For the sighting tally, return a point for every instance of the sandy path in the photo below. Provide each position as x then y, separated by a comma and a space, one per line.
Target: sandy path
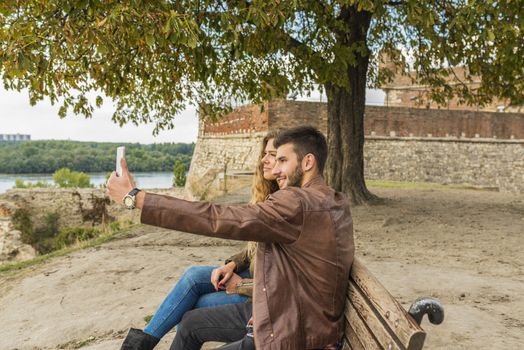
464, 247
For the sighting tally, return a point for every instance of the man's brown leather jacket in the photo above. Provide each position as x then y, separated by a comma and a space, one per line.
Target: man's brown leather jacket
302, 263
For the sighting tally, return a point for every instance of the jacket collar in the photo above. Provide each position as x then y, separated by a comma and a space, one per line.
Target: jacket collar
317, 180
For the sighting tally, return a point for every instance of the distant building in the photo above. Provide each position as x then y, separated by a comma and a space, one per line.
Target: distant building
405, 91
14, 137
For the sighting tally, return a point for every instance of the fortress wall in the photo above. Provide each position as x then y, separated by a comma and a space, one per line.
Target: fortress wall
402, 144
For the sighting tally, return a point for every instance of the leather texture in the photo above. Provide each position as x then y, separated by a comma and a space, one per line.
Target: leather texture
303, 257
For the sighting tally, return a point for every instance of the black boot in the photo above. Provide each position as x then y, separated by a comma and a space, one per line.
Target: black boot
138, 340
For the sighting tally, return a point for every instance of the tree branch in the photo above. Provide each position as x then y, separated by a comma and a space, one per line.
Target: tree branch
395, 3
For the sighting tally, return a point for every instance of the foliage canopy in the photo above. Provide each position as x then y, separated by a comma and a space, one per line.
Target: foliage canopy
153, 58
48, 156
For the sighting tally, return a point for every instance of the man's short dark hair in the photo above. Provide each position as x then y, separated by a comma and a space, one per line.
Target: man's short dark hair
305, 139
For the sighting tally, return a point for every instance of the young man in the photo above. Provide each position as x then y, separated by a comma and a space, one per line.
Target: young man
303, 258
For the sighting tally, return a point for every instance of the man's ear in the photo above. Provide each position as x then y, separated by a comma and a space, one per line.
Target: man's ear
309, 162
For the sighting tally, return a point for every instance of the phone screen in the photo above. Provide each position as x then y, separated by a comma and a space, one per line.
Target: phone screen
120, 153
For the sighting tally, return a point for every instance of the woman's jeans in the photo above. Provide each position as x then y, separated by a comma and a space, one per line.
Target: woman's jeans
192, 291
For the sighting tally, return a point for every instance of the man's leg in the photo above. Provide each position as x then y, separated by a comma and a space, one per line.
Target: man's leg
247, 343
224, 324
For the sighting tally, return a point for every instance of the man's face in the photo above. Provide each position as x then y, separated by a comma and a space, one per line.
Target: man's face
288, 169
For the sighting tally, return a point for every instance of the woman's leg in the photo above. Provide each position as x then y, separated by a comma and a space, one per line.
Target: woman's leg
221, 297
195, 282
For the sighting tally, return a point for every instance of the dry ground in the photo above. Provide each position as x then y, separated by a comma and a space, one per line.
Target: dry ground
463, 247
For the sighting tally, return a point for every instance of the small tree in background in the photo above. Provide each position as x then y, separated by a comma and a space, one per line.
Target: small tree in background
65, 178
180, 173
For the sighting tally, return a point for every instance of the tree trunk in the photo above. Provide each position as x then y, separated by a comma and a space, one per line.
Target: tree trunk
345, 164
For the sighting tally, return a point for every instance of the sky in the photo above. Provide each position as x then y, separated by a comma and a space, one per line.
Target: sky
41, 121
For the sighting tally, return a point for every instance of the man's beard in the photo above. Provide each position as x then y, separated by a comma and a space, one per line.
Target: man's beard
295, 180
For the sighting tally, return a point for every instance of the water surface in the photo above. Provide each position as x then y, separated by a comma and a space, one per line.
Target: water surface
143, 180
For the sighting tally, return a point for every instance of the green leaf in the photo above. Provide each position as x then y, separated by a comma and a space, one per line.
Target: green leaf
150, 39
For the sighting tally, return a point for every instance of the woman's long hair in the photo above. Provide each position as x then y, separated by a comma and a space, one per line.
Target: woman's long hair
261, 187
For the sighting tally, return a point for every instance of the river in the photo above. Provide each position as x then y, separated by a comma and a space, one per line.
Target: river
143, 180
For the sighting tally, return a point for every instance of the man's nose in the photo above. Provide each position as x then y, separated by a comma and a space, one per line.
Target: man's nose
275, 171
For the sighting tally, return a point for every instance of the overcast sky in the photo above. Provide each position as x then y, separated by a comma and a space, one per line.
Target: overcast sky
41, 121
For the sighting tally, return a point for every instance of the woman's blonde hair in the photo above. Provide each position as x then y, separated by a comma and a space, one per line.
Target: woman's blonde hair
261, 187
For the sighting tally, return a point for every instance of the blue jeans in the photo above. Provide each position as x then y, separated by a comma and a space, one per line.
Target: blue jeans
192, 291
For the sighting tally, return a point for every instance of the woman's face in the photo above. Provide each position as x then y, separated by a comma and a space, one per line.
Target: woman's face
269, 160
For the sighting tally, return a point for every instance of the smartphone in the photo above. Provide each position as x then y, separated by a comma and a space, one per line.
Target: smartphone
120, 153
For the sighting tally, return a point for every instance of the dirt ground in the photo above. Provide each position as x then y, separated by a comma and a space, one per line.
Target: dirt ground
464, 247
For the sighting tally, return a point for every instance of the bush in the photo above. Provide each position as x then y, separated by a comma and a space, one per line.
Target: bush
66, 178
41, 238
180, 173
22, 222
19, 183
72, 235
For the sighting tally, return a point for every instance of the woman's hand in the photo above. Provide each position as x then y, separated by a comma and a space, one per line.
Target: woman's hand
221, 275
232, 284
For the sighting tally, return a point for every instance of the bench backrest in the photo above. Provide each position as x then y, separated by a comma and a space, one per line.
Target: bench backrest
374, 319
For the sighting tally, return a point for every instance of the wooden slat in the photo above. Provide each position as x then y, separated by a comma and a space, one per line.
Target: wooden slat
409, 333
381, 332
345, 345
360, 329
352, 339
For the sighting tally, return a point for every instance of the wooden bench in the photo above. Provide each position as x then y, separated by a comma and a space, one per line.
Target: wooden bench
375, 320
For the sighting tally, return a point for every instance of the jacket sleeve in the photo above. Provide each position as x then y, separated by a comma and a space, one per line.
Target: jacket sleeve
244, 288
278, 219
241, 260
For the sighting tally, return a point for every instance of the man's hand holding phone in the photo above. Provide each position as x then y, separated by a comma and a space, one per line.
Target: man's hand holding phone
120, 154
120, 185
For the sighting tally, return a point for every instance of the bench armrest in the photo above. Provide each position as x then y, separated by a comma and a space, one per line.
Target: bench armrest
430, 306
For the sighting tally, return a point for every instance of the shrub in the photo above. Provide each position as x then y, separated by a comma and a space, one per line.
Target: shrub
22, 222
180, 173
51, 224
19, 183
72, 235
66, 178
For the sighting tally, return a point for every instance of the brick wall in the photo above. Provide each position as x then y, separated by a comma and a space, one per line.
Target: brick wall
286, 114
245, 119
402, 144
400, 121
378, 121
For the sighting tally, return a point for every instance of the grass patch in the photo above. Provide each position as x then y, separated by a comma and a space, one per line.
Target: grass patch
148, 318
425, 185
82, 343
108, 235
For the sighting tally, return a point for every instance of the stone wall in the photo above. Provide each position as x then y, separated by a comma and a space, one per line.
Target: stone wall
403, 144
494, 164
75, 207
217, 158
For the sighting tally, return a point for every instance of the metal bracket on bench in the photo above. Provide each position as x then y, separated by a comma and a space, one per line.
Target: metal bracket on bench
432, 307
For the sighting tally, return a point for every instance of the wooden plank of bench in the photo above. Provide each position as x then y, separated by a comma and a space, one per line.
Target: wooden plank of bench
358, 329
350, 339
381, 332
409, 333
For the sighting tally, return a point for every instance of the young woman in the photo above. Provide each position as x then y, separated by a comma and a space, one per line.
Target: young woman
210, 286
